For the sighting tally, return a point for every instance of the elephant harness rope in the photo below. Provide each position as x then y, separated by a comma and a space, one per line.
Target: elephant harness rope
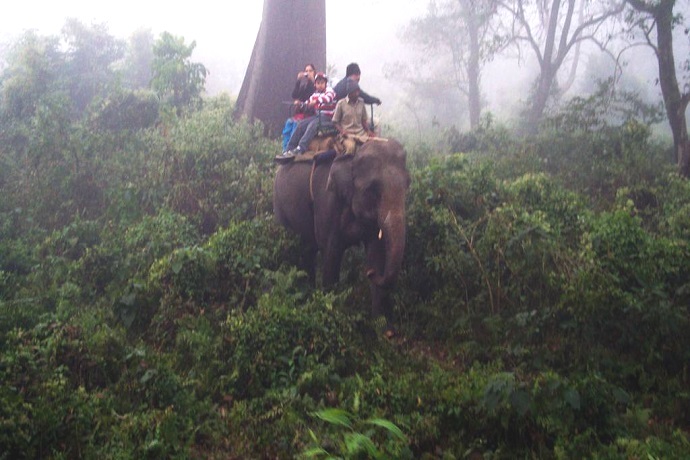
311, 181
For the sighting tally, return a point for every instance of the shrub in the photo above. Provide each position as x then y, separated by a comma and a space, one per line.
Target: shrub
135, 250
214, 164
624, 299
243, 252
285, 342
447, 201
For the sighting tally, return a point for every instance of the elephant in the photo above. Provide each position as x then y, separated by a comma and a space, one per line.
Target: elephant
337, 203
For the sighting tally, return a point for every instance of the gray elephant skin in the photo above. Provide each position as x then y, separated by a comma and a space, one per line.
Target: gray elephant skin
351, 199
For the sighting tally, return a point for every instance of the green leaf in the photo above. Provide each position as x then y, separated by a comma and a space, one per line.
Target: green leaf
520, 400
572, 397
315, 452
148, 375
357, 442
312, 435
621, 396
389, 426
128, 299
335, 416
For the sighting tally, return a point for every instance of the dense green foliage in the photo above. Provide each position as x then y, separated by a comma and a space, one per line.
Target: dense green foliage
150, 308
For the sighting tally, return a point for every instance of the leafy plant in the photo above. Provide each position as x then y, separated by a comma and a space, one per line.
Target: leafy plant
177, 80
355, 438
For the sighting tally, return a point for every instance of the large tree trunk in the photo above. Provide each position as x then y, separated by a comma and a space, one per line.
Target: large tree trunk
292, 34
540, 98
473, 71
674, 102
548, 66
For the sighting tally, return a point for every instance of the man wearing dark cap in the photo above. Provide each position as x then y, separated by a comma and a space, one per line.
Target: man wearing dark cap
353, 73
350, 117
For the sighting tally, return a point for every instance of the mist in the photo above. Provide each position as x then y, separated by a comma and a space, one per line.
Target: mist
381, 45
153, 306
224, 39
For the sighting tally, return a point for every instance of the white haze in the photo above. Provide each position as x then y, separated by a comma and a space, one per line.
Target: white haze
225, 32
363, 31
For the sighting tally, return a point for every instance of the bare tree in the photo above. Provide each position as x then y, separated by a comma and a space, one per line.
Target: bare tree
553, 30
461, 30
655, 17
292, 34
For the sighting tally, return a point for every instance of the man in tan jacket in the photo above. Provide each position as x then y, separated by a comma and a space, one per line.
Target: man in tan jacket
350, 118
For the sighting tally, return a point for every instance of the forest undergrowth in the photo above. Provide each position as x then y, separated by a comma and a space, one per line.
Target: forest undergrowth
150, 306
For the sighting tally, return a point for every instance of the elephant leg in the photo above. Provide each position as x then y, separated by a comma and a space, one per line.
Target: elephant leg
381, 303
382, 307
308, 261
332, 260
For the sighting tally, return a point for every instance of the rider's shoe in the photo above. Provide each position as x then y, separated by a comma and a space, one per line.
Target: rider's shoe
285, 157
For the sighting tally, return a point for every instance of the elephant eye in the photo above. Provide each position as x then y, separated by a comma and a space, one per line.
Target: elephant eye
371, 193
373, 188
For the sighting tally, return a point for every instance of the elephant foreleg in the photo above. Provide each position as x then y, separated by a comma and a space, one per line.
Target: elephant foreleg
332, 260
308, 261
381, 304
382, 307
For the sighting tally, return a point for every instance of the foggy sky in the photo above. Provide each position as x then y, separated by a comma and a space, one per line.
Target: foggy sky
225, 35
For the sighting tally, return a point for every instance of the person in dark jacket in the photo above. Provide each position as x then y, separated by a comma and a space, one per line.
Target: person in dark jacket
323, 103
353, 73
304, 88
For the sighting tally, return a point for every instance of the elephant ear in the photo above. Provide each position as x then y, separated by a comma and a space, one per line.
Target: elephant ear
340, 179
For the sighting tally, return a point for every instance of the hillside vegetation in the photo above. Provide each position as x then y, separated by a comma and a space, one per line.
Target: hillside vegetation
150, 306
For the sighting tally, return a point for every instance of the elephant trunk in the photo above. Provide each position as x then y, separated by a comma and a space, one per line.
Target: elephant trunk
392, 231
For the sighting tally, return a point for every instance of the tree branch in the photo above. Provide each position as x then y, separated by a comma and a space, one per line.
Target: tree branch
641, 5
684, 101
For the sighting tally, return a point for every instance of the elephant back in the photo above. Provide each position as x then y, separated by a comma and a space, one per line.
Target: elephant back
294, 188
390, 150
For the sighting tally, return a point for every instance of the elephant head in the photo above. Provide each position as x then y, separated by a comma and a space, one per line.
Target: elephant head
372, 185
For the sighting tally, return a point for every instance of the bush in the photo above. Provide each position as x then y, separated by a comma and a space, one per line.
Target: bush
286, 342
447, 201
227, 272
149, 307
624, 297
243, 252
214, 164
